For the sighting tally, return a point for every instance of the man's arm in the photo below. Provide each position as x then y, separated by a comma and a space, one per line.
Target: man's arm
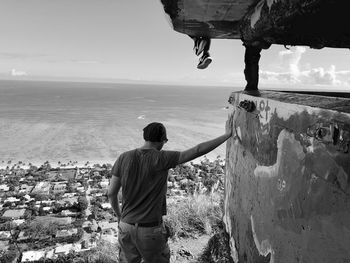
207, 146
113, 191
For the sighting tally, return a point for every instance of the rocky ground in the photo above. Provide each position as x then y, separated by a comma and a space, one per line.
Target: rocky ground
187, 250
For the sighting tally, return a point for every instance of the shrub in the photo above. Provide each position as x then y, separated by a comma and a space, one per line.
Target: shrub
8, 256
217, 249
193, 215
105, 252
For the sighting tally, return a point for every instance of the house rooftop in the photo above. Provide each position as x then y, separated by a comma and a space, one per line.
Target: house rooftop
15, 213
30, 256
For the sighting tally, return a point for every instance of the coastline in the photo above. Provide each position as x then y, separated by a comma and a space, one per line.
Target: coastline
72, 163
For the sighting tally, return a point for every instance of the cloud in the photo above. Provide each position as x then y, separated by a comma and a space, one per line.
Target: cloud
295, 75
292, 60
322, 76
18, 73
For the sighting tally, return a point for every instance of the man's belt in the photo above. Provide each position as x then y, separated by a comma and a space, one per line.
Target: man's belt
150, 224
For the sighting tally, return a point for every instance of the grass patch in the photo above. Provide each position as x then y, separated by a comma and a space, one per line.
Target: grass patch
194, 215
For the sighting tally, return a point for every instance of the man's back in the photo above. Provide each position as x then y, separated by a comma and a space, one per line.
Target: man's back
143, 174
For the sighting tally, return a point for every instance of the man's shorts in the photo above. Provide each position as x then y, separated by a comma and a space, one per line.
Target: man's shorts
147, 243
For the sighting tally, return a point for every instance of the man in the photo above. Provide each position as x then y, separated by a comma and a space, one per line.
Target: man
251, 70
251, 61
202, 45
142, 173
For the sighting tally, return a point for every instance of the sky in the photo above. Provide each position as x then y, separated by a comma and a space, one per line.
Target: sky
132, 40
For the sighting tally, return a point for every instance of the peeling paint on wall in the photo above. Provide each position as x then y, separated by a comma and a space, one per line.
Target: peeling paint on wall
287, 192
289, 155
264, 247
256, 14
270, 2
227, 222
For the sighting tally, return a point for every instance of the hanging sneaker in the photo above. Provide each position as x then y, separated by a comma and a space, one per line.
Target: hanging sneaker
201, 45
204, 61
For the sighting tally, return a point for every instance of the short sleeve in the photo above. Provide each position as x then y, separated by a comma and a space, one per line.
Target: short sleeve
116, 168
169, 159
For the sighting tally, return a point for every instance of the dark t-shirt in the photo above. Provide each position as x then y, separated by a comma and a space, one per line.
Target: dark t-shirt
143, 174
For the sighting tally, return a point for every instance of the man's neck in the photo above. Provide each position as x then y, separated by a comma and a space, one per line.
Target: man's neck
150, 145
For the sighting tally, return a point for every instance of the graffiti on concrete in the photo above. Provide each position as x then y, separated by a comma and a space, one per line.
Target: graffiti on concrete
287, 193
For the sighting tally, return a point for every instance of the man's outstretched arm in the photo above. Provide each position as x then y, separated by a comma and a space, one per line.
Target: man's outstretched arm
205, 147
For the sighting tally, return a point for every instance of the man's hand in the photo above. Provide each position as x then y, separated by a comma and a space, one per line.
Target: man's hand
229, 125
205, 147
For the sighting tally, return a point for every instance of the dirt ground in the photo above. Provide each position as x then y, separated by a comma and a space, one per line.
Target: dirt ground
187, 250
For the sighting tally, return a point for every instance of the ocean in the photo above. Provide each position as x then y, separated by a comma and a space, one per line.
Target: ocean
69, 121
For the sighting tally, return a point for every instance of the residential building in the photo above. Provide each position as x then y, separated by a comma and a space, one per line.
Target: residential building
31, 256
66, 174
5, 235
106, 206
69, 195
65, 249
4, 245
108, 225
20, 172
14, 213
68, 212
18, 222
47, 208
81, 189
42, 188
12, 200
68, 201
28, 198
53, 219
26, 188
22, 236
50, 254
67, 232
4, 188
52, 174
59, 188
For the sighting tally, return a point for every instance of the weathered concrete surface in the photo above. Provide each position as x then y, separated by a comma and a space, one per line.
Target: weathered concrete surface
214, 18
315, 23
287, 188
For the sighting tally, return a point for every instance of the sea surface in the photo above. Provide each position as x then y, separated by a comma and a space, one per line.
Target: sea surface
69, 121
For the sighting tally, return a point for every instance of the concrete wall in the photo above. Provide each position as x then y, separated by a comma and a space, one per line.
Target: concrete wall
314, 23
287, 188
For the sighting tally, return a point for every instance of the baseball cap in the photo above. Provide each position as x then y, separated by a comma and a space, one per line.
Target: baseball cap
155, 132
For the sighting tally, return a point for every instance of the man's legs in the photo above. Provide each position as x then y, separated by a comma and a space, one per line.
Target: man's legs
202, 44
152, 242
205, 60
251, 71
128, 252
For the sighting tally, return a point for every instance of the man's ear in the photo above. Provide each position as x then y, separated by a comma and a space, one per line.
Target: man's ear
161, 132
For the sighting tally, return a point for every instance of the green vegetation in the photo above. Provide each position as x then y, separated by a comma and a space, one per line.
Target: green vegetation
217, 249
194, 215
194, 211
